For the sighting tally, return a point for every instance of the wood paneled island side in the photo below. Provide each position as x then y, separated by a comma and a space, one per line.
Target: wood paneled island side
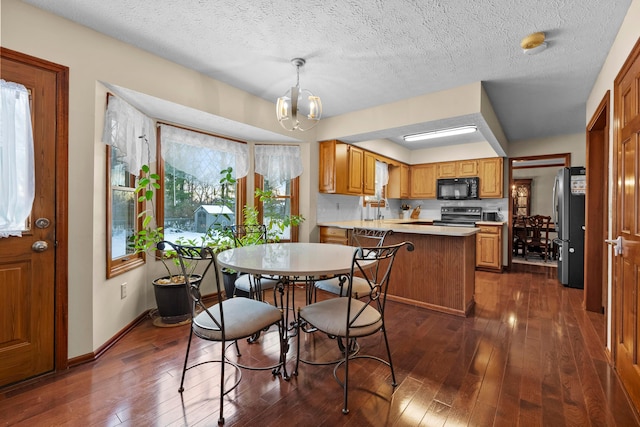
439, 274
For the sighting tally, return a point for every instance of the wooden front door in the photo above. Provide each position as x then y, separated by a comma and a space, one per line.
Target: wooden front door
627, 224
30, 290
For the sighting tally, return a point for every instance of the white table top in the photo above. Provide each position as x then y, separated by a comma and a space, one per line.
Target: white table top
289, 259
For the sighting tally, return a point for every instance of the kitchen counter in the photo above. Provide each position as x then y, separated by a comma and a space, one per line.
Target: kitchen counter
439, 274
409, 226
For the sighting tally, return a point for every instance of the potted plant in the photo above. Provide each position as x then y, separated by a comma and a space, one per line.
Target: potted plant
172, 300
176, 306
222, 238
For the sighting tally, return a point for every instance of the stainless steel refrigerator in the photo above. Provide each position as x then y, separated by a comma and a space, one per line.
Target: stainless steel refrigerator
569, 193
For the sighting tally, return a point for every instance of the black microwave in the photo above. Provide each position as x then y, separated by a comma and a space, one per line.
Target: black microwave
458, 188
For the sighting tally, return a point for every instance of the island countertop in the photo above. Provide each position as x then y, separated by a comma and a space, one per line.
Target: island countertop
409, 226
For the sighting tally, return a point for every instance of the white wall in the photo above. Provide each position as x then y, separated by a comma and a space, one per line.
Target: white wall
542, 180
628, 35
573, 143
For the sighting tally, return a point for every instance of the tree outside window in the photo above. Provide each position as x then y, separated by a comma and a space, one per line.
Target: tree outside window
280, 200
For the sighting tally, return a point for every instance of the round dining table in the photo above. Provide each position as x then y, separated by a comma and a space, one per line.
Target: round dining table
311, 260
293, 263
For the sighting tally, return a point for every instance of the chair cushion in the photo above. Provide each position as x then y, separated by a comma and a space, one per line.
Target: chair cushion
246, 283
242, 318
330, 316
359, 289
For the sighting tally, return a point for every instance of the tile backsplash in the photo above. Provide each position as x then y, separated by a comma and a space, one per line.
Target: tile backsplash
335, 207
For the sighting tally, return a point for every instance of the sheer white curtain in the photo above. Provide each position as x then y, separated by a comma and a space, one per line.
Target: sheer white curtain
382, 177
17, 174
131, 132
183, 149
278, 163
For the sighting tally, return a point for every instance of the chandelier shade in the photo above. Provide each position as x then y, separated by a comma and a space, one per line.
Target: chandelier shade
298, 109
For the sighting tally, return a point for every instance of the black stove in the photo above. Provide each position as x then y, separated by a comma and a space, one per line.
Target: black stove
459, 216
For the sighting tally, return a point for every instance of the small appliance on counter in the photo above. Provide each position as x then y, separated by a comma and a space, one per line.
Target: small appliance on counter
459, 216
490, 216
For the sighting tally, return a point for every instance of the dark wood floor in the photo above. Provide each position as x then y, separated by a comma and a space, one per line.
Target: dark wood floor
528, 356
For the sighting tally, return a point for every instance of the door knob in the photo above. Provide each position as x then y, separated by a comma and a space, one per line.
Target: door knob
40, 246
617, 245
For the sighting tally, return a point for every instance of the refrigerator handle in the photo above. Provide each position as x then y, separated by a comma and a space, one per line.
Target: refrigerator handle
554, 202
617, 245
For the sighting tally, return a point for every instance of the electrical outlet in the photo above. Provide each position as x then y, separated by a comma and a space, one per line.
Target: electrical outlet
123, 290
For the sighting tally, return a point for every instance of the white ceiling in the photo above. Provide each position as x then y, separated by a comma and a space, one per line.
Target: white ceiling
363, 53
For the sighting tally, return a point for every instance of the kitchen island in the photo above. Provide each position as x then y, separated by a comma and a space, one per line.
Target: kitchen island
439, 274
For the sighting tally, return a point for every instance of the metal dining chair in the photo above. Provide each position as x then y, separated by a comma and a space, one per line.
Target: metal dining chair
252, 285
360, 237
348, 318
227, 321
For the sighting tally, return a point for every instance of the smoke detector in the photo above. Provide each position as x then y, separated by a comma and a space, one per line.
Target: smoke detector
533, 43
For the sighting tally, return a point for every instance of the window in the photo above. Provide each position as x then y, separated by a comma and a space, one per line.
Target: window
382, 179
285, 203
122, 213
202, 191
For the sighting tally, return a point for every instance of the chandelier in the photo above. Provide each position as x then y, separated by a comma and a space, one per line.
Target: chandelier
298, 109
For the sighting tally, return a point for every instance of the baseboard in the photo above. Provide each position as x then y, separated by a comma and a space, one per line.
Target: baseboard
90, 357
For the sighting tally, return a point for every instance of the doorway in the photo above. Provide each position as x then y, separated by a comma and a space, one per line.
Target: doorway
518, 167
596, 209
33, 267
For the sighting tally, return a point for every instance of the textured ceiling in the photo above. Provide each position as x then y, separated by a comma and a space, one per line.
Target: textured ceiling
362, 54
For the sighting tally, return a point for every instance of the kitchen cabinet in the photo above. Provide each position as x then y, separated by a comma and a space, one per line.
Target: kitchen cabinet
489, 247
447, 170
398, 186
467, 168
491, 173
369, 174
345, 169
327, 167
458, 169
335, 235
423, 181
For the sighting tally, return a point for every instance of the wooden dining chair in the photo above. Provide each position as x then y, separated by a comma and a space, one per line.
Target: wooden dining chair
519, 236
349, 318
360, 237
537, 239
227, 321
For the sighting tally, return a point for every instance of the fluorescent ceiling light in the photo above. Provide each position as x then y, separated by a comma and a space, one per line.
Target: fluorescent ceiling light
440, 133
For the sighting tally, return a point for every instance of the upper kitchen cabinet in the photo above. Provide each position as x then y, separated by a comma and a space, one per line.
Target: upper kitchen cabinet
423, 181
491, 173
369, 174
447, 170
458, 169
467, 168
398, 186
345, 169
